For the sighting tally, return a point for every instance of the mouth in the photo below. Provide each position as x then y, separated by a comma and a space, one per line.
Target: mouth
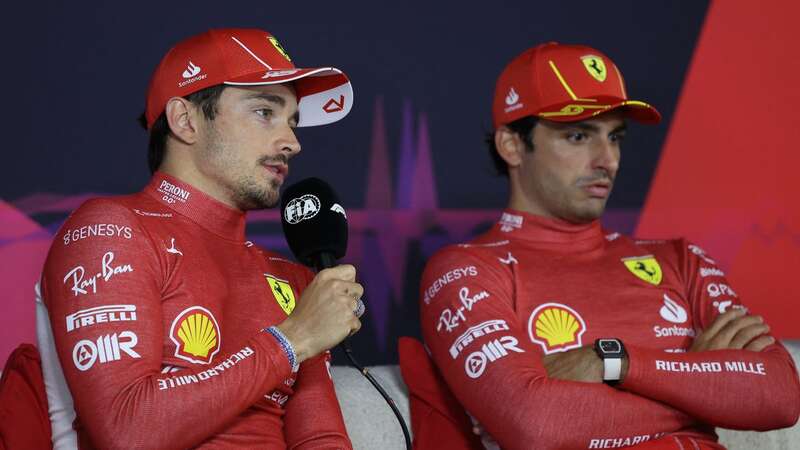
279, 170
600, 189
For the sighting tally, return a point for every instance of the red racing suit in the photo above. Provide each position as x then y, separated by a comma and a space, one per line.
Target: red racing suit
531, 286
157, 303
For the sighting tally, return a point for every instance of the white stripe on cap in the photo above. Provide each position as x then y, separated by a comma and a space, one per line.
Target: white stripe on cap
251, 53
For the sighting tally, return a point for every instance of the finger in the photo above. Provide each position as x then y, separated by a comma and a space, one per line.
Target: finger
725, 336
721, 321
345, 272
760, 343
350, 289
747, 334
355, 327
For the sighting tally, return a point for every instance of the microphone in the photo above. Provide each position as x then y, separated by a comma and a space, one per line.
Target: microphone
315, 226
314, 223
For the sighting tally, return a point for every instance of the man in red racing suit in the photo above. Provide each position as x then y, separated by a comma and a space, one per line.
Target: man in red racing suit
172, 329
553, 333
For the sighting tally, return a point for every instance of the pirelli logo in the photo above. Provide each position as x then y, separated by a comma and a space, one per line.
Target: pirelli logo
100, 314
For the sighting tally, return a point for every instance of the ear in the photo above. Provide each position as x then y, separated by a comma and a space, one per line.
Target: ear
509, 146
183, 119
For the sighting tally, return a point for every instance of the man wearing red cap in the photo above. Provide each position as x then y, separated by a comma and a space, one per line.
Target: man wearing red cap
173, 330
552, 332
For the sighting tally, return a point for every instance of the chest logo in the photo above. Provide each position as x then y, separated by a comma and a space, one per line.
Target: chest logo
282, 291
556, 327
672, 311
646, 268
195, 333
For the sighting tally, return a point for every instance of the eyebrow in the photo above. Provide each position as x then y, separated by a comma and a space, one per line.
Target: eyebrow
277, 99
268, 97
590, 127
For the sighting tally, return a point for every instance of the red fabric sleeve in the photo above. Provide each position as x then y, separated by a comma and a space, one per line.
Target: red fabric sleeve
736, 389
313, 417
499, 377
24, 421
438, 421
125, 401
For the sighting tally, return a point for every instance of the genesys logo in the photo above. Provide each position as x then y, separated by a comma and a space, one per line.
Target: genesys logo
447, 278
476, 362
556, 327
173, 193
301, 208
81, 283
451, 320
100, 314
105, 349
473, 333
195, 333
97, 230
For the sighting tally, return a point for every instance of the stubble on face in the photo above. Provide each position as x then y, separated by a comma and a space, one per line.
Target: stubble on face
552, 184
247, 191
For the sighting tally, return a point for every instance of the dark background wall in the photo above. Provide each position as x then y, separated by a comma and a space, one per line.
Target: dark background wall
423, 72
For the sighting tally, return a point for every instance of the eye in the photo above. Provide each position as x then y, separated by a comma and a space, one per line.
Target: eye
264, 112
577, 136
617, 137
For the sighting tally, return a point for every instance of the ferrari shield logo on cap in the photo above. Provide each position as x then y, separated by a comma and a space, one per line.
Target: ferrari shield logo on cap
279, 47
595, 66
645, 268
282, 291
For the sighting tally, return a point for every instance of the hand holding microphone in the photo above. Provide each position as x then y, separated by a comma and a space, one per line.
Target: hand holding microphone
315, 225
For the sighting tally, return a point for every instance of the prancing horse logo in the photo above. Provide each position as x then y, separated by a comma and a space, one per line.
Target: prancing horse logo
595, 66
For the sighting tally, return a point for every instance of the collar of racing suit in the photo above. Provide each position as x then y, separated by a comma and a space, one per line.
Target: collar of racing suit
551, 234
188, 201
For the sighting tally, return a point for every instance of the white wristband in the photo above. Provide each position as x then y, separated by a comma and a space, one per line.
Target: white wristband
612, 369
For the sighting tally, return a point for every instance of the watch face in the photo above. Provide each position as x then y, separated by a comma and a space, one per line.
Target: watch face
610, 346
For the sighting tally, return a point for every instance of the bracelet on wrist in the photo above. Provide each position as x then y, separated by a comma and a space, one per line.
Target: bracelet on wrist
285, 345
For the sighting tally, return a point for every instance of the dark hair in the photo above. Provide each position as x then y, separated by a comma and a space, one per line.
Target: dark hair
524, 128
156, 149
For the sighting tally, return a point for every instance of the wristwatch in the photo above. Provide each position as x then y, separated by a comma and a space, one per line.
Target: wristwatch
611, 351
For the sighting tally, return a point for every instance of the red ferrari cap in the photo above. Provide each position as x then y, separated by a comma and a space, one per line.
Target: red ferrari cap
563, 83
246, 57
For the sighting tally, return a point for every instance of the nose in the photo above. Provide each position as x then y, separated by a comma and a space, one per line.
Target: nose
288, 143
607, 155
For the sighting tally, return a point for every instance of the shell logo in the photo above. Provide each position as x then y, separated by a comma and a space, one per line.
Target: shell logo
195, 333
556, 327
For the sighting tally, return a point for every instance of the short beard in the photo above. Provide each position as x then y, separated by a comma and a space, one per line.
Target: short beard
249, 194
